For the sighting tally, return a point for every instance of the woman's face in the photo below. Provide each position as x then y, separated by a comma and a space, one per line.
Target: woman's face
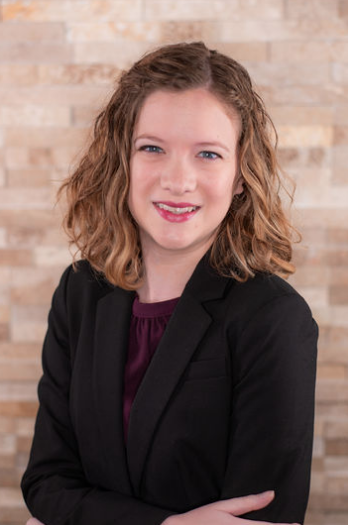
183, 166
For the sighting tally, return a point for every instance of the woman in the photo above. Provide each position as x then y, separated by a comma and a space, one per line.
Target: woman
179, 368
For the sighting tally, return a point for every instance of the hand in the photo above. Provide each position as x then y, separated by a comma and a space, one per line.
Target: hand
224, 512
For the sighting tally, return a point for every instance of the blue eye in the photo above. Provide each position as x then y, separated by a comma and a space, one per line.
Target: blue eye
210, 155
151, 149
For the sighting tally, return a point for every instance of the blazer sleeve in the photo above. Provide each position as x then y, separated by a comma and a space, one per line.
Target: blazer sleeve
54, 485
270, 448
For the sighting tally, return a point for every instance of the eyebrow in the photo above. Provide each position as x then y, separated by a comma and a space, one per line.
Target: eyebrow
148, 137
201, 144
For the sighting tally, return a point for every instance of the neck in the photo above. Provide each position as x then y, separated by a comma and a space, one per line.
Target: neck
166, 275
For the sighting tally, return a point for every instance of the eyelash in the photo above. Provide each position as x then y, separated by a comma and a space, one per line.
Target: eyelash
206, 154
149, 148
209, 155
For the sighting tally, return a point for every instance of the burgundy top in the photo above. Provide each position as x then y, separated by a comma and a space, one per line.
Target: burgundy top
148, 322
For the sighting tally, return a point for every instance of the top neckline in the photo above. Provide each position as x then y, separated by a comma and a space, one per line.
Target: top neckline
158, 309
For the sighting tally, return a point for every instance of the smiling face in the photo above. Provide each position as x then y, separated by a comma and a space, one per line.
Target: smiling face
182, 170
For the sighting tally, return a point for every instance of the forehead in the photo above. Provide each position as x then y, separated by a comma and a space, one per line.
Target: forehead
196, 110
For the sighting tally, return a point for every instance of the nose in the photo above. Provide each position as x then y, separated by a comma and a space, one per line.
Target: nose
178, 176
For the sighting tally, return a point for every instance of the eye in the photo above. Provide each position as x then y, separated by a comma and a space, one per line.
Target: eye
210, 155
149, 148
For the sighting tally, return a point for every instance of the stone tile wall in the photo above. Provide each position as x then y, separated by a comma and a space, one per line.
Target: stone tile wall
58, 62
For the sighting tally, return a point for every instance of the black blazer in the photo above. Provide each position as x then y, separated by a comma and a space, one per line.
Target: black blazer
225, 408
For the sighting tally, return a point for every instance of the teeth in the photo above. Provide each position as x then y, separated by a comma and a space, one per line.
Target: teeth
176, 211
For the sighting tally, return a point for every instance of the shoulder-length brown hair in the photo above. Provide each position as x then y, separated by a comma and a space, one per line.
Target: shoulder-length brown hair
254, 236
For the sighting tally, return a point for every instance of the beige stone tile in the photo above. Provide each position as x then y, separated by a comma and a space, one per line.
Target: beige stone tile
243, 51
29, 237
338, 235
72, 74
335, 464
339, 176
281, 30
37, 116
312, 9
54, 95
340, 73
18, 74
286, 74
25, 426
5, 275
7, 425
17, 351
213, 10
308, 51
29, 52
338, 295
337, 429
7, 444
332, 390
51, 256
27, 198
3, 177
329, 502
32, 32
301, 157
27, 408
78, 10
325, 371
15, 257
117, 53
302, 115
84, 116
23, 392
34, 294
64, 158
41, 138
196, 9
334, 518
27, 177
173, 31
4, 332
31, 332
10, 497
34, 218
3, 238
314, 295
316, 217
8, 478
20, 371
340, 135
317, 481
335, 315
16, 158
24, 443
305, 136
318, 447
339, 50
328, 94
17, 516
337, 447
115, 31
311, 276
7, 461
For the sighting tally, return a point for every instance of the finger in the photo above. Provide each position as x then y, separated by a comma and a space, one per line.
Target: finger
34, 521
238, 506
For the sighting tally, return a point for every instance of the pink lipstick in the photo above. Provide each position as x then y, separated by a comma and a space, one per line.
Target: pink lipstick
176, 211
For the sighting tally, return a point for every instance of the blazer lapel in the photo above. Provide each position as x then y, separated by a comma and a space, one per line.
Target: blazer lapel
111, 343
183, 333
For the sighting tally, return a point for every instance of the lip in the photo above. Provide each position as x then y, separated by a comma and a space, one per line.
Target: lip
170, 211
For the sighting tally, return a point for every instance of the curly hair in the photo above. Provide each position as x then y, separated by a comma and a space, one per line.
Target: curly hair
255, 234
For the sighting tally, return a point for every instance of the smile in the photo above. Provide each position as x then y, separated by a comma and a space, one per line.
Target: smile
176, 210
